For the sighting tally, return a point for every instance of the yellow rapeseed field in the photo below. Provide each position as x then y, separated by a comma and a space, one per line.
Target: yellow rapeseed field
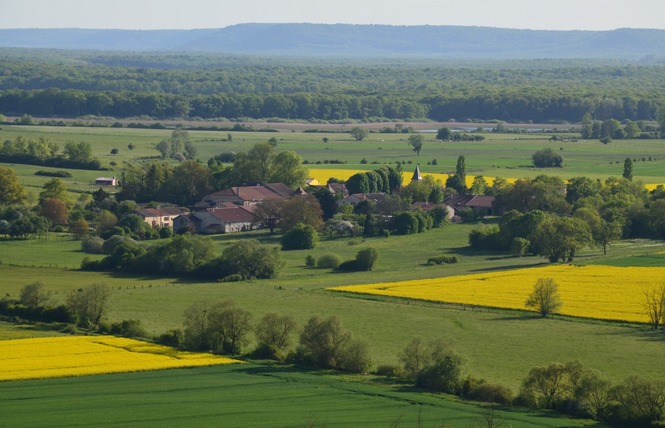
89, 355
601, 292
323, 175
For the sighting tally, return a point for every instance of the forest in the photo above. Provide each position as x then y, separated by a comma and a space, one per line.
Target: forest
208, 86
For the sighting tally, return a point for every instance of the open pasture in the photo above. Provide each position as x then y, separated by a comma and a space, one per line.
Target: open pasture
489, 338
88, 355
499, 155
599, 292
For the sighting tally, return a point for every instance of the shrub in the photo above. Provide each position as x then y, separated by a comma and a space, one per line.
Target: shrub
355, 357
111, 244
300, 237
92, 245
165, 232
322, 341
235, 277
491, 393
438, 260
310, 261
273, 336
328, 261
348, 266
172, 338
388, 370
405, 223
444, 375
128, 328
519, 246
60, 174
640, 399
365, 259
547, 158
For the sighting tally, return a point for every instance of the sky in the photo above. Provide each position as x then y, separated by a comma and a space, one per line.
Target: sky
189, 14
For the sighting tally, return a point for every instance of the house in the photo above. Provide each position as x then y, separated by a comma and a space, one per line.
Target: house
217, 220
106, 181
312, 182
357, 198
427, 206
481, 204
338, 190
245, 195
160, 217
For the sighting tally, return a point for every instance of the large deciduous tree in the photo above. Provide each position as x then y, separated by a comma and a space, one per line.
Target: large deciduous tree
416, 142
55, 211
11, 191
54, 188
559, 238
359, 133
301, 209
547, 158
189, 182
288, 169
89, 304
545, 297
274, 335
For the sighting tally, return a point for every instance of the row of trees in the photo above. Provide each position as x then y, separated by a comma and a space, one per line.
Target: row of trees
43, 152
507, 105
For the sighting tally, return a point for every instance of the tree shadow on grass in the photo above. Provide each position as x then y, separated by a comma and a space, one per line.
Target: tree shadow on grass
647, 335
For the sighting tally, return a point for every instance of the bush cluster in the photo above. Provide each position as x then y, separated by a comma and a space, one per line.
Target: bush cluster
438, 260
364, 261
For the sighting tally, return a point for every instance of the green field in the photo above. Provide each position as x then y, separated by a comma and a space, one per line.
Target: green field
499, 155
241, 396
500, 346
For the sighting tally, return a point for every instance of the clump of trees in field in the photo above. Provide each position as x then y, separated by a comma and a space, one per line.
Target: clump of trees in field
226, 328
555, 219
43, 152
575, 389
193, 256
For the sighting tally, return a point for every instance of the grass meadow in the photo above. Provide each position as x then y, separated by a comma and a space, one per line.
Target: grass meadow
499, 345
499, 155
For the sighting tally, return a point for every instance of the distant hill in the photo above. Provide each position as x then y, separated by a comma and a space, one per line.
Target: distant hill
357, 40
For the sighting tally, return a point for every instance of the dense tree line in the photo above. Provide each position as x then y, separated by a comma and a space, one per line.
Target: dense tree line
43, 152
235, 88
513, 105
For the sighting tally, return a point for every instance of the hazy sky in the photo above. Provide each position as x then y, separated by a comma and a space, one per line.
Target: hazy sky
172, 14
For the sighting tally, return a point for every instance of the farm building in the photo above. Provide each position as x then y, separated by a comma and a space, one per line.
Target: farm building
217, 220
481, 204
106, 181
357, 198
160, 217
245, 195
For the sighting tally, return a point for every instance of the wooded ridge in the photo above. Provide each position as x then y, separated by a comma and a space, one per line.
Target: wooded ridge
357, 40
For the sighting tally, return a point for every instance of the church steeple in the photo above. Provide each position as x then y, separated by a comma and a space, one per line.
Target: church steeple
416, 175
